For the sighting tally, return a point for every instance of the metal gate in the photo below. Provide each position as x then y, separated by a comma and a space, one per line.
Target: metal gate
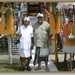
4, 45
15, 47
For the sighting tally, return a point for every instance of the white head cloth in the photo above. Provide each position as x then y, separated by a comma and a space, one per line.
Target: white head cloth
40, 15
26, 19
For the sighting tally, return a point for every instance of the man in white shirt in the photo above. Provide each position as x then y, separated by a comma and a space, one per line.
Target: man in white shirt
25, 32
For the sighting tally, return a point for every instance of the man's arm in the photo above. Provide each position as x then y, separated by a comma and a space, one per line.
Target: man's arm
32, 42
18, 33
49, 39
50, 35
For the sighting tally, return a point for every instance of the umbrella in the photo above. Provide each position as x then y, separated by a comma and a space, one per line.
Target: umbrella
65, 5
68, 5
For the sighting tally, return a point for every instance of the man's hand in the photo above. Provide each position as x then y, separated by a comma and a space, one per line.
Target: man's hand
31, 46
19, 35
49, 43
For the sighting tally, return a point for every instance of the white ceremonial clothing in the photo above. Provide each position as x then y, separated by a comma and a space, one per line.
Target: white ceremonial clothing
25, 40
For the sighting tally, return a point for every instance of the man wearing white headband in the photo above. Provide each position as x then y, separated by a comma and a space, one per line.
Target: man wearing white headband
42, 41
25, 32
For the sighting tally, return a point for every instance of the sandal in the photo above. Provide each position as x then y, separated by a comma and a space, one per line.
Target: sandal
22, 69
37, 69
47, 69
28, 69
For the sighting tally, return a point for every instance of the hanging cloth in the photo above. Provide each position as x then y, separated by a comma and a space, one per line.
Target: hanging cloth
65, 31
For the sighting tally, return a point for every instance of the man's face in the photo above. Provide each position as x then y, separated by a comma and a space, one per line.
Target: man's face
26, 23
40, 19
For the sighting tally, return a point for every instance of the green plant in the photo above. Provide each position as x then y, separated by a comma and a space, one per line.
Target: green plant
62, 66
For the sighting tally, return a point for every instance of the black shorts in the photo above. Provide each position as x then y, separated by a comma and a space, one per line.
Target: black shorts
45, 59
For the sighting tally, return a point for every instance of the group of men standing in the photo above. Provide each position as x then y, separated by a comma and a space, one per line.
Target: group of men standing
38, 35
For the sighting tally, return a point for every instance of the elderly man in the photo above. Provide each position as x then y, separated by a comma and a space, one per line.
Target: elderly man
42, 40
25, 32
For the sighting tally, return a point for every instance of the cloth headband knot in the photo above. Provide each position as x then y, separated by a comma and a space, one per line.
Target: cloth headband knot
26, 19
